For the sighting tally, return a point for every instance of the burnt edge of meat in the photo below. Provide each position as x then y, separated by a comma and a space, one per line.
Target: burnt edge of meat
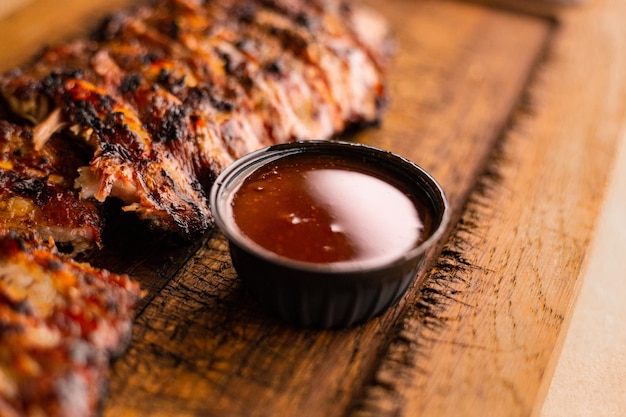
154, 75
73, 311
37, 193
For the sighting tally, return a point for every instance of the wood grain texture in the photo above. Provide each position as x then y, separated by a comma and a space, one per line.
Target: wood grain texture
479, 337
487, 327
202, 347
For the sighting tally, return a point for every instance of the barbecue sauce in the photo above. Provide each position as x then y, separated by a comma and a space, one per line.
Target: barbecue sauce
324, 209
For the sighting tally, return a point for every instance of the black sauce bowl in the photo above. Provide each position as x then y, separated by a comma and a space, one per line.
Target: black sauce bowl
327, 295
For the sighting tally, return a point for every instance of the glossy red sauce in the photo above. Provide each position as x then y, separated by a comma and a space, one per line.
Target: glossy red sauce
324, 209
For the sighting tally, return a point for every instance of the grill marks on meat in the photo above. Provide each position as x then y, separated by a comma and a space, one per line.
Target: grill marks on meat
150, 176
60, 324
37, 189
167, 95
149, 111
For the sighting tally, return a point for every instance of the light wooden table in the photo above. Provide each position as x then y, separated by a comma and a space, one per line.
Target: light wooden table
518, 108
590, 377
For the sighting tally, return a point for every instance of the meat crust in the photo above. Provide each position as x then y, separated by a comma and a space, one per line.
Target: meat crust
167, 95
60, 324
37, 189
149, 110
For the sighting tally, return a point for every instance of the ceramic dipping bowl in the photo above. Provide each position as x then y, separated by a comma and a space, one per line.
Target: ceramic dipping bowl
325, 233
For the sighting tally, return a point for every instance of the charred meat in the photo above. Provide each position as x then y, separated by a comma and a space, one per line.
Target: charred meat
148, 111
167, 95
37, 189
60, 324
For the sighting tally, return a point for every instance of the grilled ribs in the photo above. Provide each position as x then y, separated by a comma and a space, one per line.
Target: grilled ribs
37, 189
60, 323
166, 95
149, 110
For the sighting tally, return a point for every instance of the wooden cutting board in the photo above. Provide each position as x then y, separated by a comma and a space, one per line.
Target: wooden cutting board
516, 115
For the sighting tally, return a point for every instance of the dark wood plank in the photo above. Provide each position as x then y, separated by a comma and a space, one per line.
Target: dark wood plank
149, 257
202, 346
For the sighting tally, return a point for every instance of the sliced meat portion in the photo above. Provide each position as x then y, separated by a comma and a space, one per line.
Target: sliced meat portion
167, 95
37, 188
60, 324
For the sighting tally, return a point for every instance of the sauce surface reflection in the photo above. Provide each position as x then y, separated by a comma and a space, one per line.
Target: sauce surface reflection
324, 209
